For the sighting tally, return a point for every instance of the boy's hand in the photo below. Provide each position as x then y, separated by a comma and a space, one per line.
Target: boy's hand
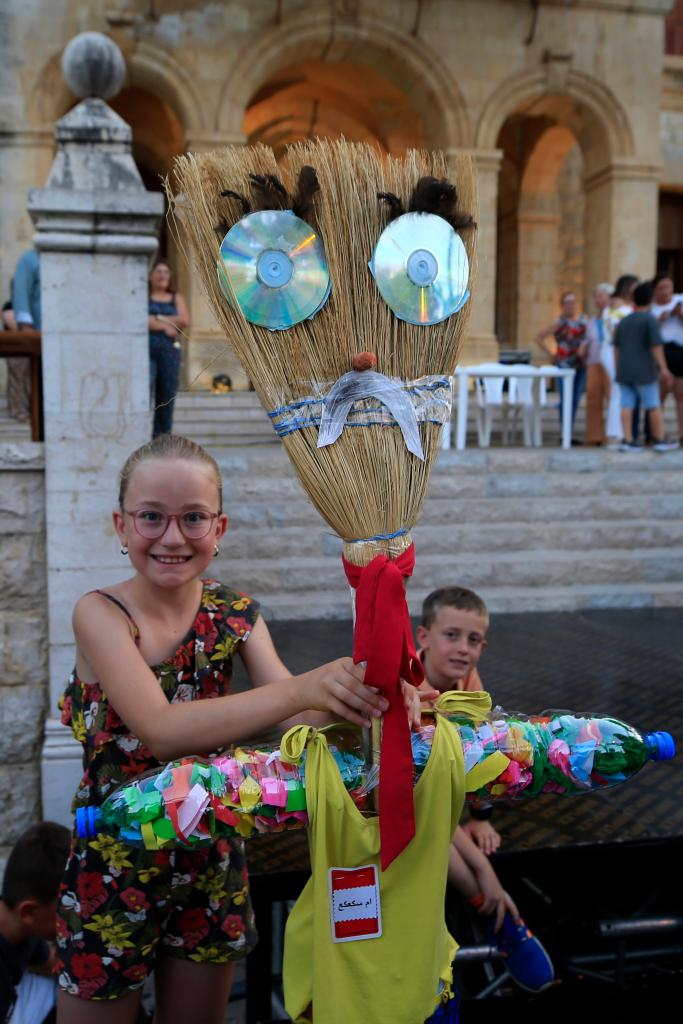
427, 693
412, 699
497, 901
666, 378
483, 834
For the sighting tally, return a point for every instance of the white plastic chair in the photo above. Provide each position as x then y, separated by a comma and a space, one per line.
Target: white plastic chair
489, 392
521, 399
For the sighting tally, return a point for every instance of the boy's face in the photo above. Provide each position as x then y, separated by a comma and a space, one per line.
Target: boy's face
453, 645
39, 919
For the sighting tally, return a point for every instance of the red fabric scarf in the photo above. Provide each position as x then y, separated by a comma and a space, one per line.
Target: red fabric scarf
383, 638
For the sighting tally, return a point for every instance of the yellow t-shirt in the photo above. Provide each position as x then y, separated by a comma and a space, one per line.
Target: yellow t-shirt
400, 975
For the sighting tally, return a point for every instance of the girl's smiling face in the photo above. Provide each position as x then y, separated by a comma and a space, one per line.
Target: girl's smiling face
174, 487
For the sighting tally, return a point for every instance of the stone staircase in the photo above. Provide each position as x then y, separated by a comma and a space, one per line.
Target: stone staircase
233, 419
531, 530
238, 419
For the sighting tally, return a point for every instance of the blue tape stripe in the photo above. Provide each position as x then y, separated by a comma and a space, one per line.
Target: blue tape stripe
291, 428
380, 536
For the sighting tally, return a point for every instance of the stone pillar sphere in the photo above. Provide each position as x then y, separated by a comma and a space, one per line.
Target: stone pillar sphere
93, 66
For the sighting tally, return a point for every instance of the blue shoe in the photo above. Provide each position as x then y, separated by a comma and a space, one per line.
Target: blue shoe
526, 960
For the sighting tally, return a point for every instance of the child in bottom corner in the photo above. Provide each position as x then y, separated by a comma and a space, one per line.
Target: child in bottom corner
28, 922
151, 683
452, 638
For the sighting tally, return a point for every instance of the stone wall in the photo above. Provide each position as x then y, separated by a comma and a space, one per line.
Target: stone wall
23, 636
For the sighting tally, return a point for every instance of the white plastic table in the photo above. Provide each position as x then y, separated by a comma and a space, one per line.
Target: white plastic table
537, 373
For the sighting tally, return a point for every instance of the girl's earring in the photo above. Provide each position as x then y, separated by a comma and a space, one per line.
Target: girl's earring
215, 551
124, 551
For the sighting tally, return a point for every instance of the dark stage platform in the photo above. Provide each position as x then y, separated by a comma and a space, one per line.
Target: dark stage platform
598, 876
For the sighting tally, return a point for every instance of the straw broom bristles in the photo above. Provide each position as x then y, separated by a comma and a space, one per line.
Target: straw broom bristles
367, 482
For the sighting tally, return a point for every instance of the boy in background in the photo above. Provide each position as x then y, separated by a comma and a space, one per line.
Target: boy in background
640, 368
28, 915
451, 639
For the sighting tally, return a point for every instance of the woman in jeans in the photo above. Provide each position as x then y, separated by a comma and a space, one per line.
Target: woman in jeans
569, 332
168, 316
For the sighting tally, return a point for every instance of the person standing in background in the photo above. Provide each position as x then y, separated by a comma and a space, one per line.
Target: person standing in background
599, 371
667, 308
27, 315
569, 331
168, 316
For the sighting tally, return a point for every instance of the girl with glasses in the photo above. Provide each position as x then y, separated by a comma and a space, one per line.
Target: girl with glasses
151, 683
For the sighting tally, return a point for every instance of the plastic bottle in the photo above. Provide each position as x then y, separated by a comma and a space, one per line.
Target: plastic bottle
193, 801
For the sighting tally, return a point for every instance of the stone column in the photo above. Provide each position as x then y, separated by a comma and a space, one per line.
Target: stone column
96, 232
538, 224
621, 215
481, 344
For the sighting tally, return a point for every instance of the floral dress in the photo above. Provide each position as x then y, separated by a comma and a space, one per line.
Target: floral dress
119, 903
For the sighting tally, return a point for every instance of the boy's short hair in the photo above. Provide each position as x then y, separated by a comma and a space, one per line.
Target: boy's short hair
36, 864
624, 285
451, 597
642, 294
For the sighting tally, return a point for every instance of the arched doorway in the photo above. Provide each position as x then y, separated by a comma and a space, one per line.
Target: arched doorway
541, 208
315, 97
569, 168
158, 137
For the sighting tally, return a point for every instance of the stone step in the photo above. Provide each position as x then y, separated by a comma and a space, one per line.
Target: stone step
537, 568
457, 465
449, 539
458, 485
277, 512
196, 409
337, 604
190, 399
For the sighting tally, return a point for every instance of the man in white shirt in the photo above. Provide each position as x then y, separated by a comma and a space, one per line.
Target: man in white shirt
667, 308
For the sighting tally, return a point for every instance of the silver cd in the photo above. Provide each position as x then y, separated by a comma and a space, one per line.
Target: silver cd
273, 265
421, 268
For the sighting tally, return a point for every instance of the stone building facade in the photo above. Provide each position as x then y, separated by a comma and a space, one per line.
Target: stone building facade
572, 111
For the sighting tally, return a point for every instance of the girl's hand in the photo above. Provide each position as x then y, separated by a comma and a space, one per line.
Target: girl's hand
338, 689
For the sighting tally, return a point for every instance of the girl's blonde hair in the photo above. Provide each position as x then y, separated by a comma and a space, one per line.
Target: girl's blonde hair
169, 446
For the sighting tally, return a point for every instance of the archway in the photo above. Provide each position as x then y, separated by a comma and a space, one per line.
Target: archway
332, 51
317, 98
561, 140
158, 137
540, 226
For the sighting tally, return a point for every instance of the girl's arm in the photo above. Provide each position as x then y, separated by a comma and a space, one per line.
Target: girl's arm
108, 650
264, 666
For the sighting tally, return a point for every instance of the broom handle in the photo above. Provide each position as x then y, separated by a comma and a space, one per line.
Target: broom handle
372, 737
375, 731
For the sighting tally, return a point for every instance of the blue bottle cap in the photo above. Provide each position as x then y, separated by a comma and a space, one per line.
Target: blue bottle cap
661, 746
87, 820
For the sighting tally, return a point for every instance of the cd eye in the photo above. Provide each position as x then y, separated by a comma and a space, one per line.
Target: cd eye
272, 264
421, 268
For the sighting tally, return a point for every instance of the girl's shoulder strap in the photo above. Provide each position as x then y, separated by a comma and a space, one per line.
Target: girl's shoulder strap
134, 628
